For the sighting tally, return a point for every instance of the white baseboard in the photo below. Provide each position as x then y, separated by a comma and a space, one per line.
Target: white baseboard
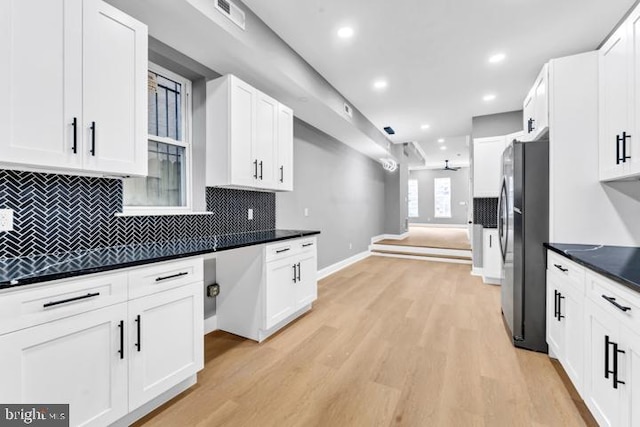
491, 280
423, 258
423, 224
327, 271
390, 236
210, 324
476, 271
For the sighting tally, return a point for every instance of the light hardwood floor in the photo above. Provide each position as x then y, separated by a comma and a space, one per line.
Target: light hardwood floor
433, 237
389, 342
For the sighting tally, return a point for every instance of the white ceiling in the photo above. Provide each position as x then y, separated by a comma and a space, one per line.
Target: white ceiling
456, 151
434, 53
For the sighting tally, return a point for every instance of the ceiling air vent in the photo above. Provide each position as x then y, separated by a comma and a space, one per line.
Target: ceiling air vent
389, 130
231, 11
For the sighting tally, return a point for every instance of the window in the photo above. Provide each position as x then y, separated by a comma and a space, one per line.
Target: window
167, 188
413, 198
442, 196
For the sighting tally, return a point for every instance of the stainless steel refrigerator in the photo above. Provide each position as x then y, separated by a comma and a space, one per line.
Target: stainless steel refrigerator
523, 227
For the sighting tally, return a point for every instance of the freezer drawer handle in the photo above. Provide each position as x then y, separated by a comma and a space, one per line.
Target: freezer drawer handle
173, 276
614, 302
64, 301
561, 268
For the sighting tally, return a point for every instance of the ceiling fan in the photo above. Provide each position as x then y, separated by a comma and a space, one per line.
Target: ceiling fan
449, 168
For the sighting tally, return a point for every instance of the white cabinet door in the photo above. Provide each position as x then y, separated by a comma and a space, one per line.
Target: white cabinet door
76, 360
571, 313
266, 140
633, 141
615, 101
244, 160
541, 123
284, 172
40, 82
306, 286
491, 255
555, 326
115, 91
528, 114
603, 399
165, 342
279, 291
487, 165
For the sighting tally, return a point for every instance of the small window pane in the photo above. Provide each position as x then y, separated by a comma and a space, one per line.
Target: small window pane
442, 195
413, 198
165, 107
166, 183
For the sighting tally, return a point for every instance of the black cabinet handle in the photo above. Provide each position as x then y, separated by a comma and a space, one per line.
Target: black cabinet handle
490, 241
295, 276
561, 268
607, 342
64, 301
138, 326
255, 169
613, 301
261, 169
121, 351
307, 244
282, 250
616, 352
173, 276
281, 173
624, 147
560, 315
93, 138
530, 125
74, 124
555, 304
299, 272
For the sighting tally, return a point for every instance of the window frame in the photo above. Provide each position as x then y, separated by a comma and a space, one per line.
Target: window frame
435, 197
186, 143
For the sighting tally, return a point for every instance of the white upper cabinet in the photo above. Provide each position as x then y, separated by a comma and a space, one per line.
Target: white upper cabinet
249, 138
619, 102
536, 107
487, 165
72, 64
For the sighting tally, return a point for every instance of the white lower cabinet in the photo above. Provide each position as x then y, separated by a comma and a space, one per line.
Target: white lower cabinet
82, 342
491, 256
75, 361
264, 288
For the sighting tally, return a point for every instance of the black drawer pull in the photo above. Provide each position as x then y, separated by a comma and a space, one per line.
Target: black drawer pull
282, 250
173, 276
64, 301
614, 302
561, 268
307, 244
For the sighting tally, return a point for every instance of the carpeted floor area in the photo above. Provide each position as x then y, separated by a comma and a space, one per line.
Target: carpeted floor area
433, 237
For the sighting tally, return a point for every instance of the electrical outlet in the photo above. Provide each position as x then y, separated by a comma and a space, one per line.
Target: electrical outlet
306, 211
350, 246
250, 214
6, 219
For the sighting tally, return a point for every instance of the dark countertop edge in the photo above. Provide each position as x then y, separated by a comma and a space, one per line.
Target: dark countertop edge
88, 271
625, 282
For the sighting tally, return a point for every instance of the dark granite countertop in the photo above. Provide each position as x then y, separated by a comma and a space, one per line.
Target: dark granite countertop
28, 270
618, 263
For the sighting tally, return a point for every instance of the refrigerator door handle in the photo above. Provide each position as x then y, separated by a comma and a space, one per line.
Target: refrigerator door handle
502, 219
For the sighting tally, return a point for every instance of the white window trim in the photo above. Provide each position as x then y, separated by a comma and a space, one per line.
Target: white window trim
435, 196
187, 143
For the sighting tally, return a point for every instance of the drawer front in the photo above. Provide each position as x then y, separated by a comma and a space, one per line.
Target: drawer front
560, 266
163, 276
615, 299
21, 309
307, 245
282, 250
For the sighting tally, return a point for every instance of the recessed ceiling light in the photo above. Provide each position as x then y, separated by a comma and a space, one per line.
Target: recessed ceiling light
425, 127
498, 57
443, 148
489, 97
345, 32
380, 84
441, 140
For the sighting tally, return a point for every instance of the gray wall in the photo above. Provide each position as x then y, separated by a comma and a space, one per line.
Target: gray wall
496, 124
459, 194
343, 190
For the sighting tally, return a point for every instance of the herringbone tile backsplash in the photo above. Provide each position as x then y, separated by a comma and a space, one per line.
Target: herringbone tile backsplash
61, 213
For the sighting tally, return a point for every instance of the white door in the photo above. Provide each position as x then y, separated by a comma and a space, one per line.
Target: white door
571, 310
266, 140
165, 342
41, 82
115, 91
244, 162
615, 99
306, 286
285, 149
602, 398
541, 123
279, 290
75, 360
555, 326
